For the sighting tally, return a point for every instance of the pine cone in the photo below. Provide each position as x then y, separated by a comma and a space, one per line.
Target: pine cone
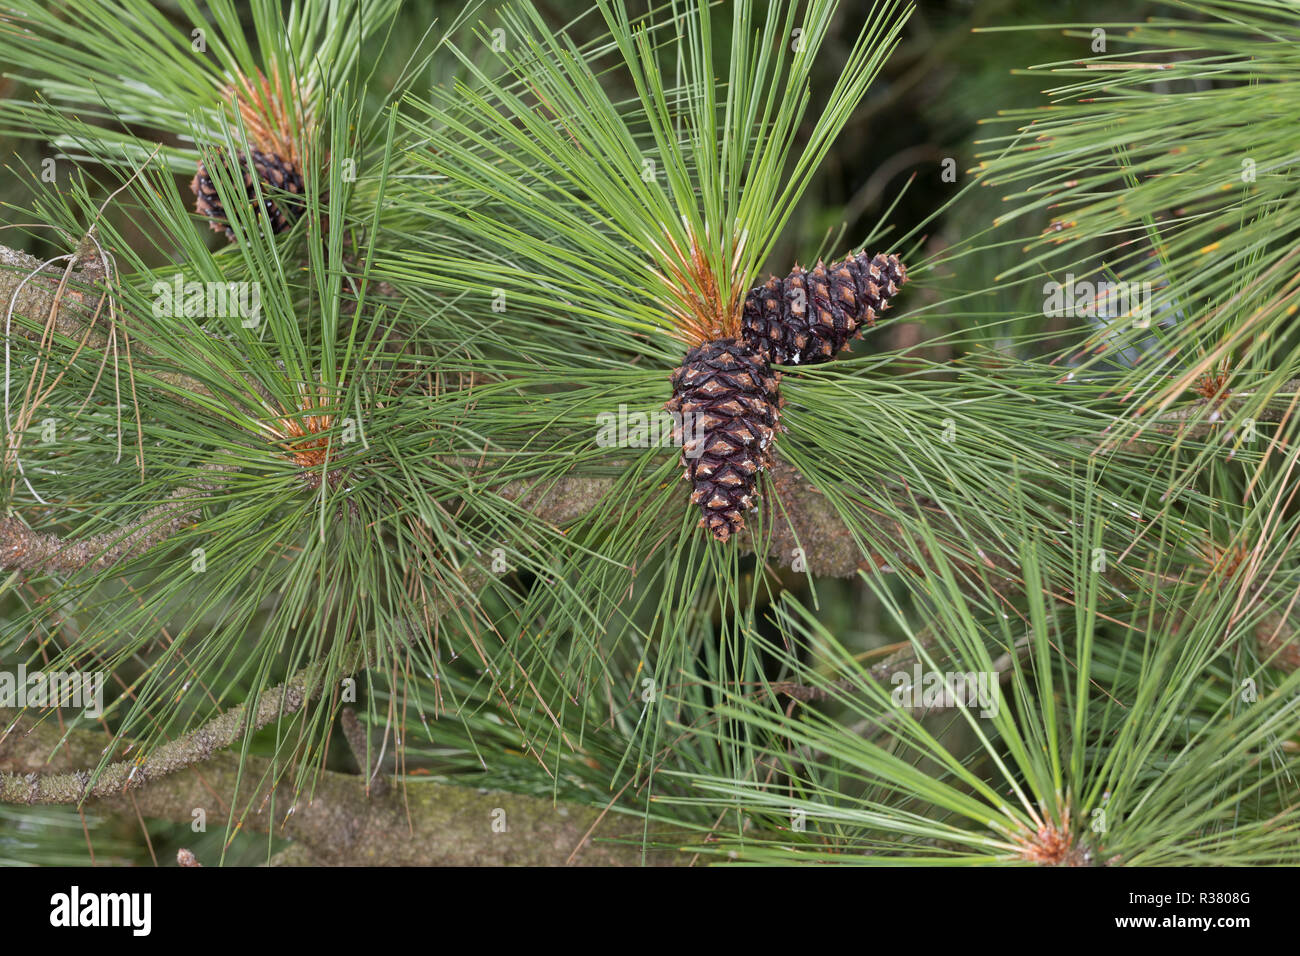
276, 174
807, 317
727, 397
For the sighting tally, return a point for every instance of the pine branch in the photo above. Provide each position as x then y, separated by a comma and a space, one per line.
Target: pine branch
799, 517
340, 824
125, 776
22, 549
31, 288
805, 519
61, 298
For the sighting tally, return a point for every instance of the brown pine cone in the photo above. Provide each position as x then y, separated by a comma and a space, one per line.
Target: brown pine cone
808, 317
727, 398
277, 176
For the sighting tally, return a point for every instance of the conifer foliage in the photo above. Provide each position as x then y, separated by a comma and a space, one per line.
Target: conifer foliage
1012, 587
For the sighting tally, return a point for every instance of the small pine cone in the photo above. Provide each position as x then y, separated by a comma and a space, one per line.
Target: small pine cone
276, 175
808, 317
727, 398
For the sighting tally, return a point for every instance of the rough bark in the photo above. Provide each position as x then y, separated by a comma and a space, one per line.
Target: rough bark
416, 823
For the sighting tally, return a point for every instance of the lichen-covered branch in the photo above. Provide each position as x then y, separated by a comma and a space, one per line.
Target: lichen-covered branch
25, 739
803, 519
22, 549
416, 823
34, 292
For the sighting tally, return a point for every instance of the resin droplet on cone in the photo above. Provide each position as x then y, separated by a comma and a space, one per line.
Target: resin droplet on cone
727, 397
809, 316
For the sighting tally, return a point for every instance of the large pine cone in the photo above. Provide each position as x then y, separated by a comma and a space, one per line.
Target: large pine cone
727, 397
276, 175
807, 317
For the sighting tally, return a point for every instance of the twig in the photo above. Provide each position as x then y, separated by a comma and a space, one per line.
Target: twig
167, 758
879, 672
22, 549
341, 824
